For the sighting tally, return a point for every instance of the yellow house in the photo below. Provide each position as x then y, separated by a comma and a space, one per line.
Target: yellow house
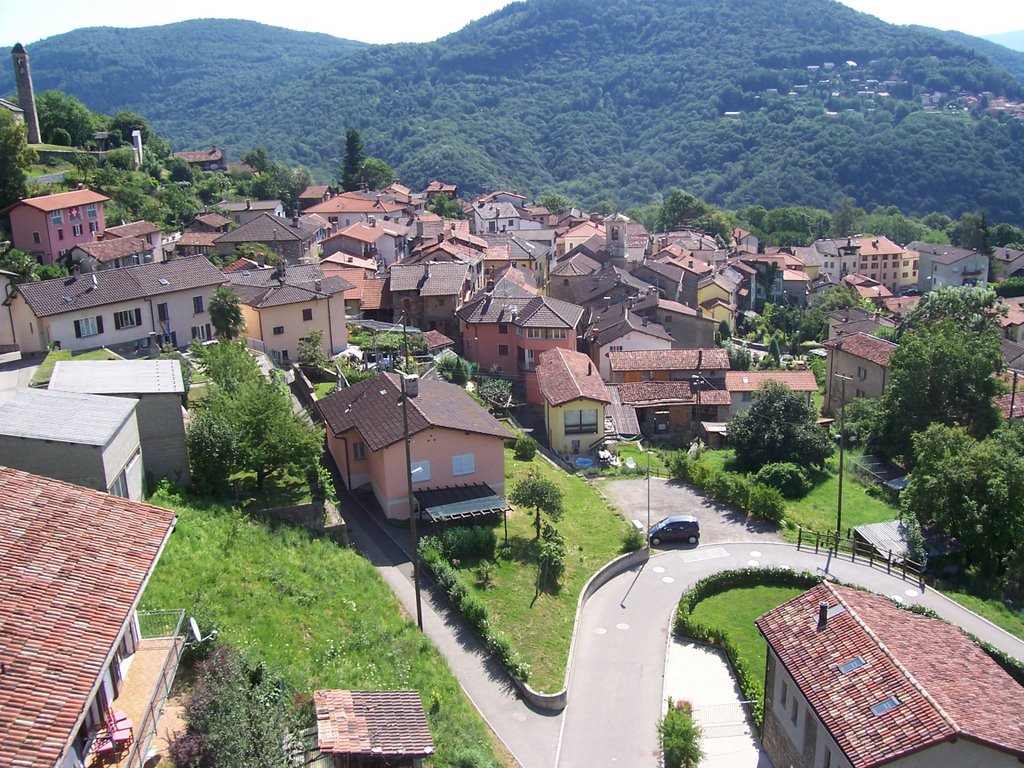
281, 306
574, 401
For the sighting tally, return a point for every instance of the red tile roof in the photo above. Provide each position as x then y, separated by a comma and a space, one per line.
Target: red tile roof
201, 155
751, 381
669, 359
105, 251
378, 724
865, 346
61, 200
74, 564
131, 229
197, 240
946, 686
436, 340
564, 375
649, 393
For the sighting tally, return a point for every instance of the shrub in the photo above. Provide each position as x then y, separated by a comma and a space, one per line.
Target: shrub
789, 479
551, 556
60, 137
525, 448
633, 540
467, 543
679, 736
766, 503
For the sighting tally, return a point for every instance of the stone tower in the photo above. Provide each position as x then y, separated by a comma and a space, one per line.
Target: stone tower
26, 96
615, 238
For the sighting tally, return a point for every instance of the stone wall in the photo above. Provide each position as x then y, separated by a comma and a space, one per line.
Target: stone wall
313, 518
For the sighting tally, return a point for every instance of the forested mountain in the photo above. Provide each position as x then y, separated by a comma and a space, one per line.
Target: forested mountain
775, 102
1000, 54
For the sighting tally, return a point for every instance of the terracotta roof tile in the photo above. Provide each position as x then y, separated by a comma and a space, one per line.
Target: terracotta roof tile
870, 348
201, 155
74, 564
131, 229
197, 239
643, 394
751, 381
105, 251
945, 685
436, 340
378, 724
61, 200
373, 408
565, 375
212, 219
669, 360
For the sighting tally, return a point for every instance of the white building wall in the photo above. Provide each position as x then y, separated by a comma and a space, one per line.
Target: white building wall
634, 340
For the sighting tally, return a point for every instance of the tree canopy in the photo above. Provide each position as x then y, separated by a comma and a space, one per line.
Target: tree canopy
539, 494
226, 313
16, 156
355, 154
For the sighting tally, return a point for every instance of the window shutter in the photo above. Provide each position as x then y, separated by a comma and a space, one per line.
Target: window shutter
99, 323
78, 329
138, 316
117, 322
194, 329
208, 334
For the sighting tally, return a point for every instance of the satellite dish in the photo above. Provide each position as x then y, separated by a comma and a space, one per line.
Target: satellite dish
197, 634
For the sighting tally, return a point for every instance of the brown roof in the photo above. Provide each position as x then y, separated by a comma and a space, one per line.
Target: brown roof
350, 202
647, 393
876, 245
71, 294
436, 340
268, 228
438, 279
378, 724
375, 294
564, 375
943, 684
373, 407
131, 229
314, 192
525, 311
75, 562
751, 381
268, 287
116, 248
669, 359
198, 239
201, 155
212, 219
863, 345
898, 305
61, 200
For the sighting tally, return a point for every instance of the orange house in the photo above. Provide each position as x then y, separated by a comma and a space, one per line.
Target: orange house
454, 445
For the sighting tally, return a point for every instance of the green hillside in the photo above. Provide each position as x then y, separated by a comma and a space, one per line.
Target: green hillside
607, 101
1005, 55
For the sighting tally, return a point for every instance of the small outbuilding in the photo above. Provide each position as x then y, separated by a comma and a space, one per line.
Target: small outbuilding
371, 729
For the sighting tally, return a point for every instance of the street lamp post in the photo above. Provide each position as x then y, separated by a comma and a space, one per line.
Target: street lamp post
408, 476
842, 445
648, 499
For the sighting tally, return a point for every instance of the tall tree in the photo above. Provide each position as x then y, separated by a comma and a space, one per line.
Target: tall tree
973, 307
539, 494
226, 313
555, 202
59, 110
846, 217
355, 154
375, 173
16, 156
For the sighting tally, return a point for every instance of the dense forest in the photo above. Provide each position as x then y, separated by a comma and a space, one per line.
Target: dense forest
770, 102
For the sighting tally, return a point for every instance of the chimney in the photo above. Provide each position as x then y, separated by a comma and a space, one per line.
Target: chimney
607, 301
700, 359
317, 283
644, 321
629, 303
822, 616
295, 219
248, 204
590, 369
93, 278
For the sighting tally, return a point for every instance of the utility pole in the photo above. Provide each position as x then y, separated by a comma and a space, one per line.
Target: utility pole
648, 500
408, 476
842, 446
1013, 400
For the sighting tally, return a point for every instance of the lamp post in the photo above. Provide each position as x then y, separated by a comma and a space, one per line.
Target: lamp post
842, 445
648, 499
408, 476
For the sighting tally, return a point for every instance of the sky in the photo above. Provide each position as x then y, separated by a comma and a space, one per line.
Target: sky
416, 20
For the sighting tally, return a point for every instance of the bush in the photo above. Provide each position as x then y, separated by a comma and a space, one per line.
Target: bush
525, 448
679, 736
466, 543
766, 503
741, 490
791, 480
551, 557
633, 540
60, 137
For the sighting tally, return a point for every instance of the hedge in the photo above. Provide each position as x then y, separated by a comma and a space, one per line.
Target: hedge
685, 625
471, 608
742, 490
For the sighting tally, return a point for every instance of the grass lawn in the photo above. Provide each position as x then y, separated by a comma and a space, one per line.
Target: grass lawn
540, 626
316, 613
735, 611
817, 510
45, 370
324, 388
640, 457
991, 609
279, 490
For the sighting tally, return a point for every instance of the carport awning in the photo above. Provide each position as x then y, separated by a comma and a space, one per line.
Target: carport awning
460, 502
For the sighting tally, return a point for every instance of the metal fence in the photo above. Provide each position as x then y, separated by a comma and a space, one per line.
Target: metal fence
723, 720
861, 552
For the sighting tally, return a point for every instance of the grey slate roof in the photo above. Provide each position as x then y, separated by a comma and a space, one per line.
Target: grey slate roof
939, 253
117, 377
266, 228
577, 264
373, 407
435, 279
617, 320
55, 297
526, 311
261, 288
64, 417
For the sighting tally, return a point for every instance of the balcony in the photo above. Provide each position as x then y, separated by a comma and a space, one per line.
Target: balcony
148, 677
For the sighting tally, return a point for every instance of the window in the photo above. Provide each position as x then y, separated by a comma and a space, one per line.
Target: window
35, 237
420, 471
307, 314
162, 313
503, 350
56, 218
784, 694
503, 329
197, 304
92, 226
747, 397
668, 318
556, 333
855, 663
359, 451
60, 234
826, 759
201, 332
128, 318
615, 349
795, 712
535, 333
278, 330
463, 464
581, 422
120, 486
885, 705
88, 326
862, 373
90, 210
77, 230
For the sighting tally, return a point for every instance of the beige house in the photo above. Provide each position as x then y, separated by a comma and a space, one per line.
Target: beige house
158, 388
575, 397
943, 265
280, 306
741, 386
862, 362
854, 681
89, 440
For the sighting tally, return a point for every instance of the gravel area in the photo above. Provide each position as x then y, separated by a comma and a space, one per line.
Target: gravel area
719, 523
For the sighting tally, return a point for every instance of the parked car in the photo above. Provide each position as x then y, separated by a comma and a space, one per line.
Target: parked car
675, 528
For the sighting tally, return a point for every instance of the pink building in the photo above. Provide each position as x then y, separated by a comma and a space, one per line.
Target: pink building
512, 331
455, 446
48, 227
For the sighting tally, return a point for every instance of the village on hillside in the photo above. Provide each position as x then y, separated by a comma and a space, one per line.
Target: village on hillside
359, 357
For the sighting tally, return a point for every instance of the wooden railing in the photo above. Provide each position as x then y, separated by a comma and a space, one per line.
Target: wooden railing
861, 552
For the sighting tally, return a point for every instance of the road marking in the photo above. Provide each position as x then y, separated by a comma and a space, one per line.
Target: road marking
600, 631
519, 717
911, 593
668, 579
703, 554
623, 627
658, 569
755, 553
896, 598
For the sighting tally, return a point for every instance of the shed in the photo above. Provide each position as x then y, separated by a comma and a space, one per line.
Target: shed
366, 729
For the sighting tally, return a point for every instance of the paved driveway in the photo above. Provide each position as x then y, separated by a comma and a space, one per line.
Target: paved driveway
719, 523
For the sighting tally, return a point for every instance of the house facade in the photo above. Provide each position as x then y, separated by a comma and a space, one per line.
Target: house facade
854, 681
73, 639
575, 398
742, 386
862, 361
617, 328
946, 265
453, 441
428, 295
48, 227
120, 306
371, 240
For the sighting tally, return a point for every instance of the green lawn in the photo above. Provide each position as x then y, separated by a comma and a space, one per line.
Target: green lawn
639, 455
991, 609
817, 510
324, 388
735, 611
45, 370
540, 626
316, 613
